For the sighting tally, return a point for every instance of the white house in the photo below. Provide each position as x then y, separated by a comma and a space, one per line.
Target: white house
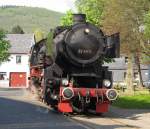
14, 73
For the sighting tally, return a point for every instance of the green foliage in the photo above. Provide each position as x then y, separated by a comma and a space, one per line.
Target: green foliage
147, 25
108, 60
126, 17
38, 35
133, 102
17, 30
145, 57
146, 47
67, 20
4, 46
29, 18
93, 10
49, 43
3, 30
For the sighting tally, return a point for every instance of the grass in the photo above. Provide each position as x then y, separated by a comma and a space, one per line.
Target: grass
133, 102
29, 18
142, 92
136, 92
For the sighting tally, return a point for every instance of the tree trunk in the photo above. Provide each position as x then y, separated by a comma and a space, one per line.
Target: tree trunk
129, 77
137, 61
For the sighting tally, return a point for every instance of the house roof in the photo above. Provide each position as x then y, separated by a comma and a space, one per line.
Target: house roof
20, 43
119, 64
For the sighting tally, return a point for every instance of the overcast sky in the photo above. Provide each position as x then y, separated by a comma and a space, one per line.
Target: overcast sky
56, 5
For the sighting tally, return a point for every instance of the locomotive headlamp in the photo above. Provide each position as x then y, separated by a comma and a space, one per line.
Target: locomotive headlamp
65, 82
87, 30
67, 93
107, 83
111, 94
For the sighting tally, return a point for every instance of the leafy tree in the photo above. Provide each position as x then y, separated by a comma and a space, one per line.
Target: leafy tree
67, 19
49, 43
147, 25
146, 51
17, 30
126, 17
93, 10
4, 46
5, 31
38, 34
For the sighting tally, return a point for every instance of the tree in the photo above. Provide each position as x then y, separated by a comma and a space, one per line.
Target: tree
67, 19
38, 34
4, 46
49, 43
126, 17
93, 10
17, 30
5, 31
146, 50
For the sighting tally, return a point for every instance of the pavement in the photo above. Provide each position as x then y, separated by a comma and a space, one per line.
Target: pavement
117, 118
19, 110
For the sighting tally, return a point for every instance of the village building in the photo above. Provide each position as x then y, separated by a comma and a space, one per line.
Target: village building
119, 71
15, 72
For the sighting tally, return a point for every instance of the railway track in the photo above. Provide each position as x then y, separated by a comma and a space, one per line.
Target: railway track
99, 122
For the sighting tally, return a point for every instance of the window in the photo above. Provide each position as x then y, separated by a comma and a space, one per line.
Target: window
18, 59
126, 60
2, 76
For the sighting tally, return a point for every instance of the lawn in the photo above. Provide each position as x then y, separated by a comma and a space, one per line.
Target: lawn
133, 102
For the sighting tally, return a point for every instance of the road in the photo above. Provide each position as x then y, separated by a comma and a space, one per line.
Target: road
18, 110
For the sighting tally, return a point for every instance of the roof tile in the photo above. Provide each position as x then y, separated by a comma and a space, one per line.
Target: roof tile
20, 43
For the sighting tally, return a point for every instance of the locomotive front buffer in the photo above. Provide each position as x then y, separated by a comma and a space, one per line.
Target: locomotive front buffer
102, 96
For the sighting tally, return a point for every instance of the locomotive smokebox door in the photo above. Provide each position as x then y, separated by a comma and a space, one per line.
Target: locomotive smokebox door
113, 46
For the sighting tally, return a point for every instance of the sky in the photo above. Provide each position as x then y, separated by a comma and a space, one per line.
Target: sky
56, 5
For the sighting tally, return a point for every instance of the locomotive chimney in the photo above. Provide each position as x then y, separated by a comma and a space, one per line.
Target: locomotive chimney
78, 18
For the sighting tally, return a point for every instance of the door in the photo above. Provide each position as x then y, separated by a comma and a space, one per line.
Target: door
17, 79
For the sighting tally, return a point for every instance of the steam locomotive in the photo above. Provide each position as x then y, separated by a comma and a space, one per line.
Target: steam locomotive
73, 78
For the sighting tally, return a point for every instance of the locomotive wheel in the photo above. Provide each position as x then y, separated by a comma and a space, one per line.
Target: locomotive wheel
48, 100
47, 96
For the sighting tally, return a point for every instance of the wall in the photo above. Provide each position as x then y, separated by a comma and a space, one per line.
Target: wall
11, 66
118, 75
